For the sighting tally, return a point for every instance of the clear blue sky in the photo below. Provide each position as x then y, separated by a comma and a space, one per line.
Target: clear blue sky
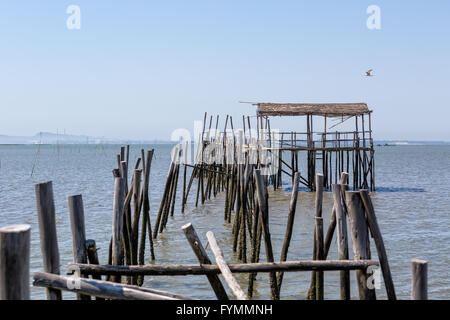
139, 69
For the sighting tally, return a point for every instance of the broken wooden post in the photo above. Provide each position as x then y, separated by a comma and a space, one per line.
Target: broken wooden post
419, 283
15, 262
47, 231
203, 258
223, 266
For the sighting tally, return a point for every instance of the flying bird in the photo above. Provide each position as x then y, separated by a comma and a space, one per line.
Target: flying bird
369, 73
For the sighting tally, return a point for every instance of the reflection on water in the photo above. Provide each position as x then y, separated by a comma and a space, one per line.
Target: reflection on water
412, 204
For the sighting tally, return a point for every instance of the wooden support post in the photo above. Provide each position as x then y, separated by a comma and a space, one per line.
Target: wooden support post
117, 225
76, 212
47, 231
379, 243
224, 269
318, 238
15, 262
419, 271
319, 256
146, 222
329, 237
203, 269
289, 226
203, 258
360, 240
342, 239
264, 218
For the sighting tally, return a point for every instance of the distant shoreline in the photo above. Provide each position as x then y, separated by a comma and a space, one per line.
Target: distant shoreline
376, 143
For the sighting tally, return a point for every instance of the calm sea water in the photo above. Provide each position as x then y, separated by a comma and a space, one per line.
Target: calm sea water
412, 203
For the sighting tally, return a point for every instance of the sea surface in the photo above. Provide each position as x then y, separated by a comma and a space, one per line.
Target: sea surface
412, 203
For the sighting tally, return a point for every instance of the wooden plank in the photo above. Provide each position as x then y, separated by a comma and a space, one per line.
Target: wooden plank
379, 243
202, 256
47, 232
15, 262
203, 269
103, 289
224, 269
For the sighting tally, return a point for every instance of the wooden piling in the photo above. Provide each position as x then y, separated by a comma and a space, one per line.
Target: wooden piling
47, 232
117, 225
319, 294
419, 282
360, 240
342, 239
289, 226
15, 262
379, 243
264, 219
76, 213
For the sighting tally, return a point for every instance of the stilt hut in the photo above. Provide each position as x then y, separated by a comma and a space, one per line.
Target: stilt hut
328, 150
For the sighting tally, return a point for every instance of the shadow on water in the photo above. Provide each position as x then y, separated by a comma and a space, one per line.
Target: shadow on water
398, 189
378, 189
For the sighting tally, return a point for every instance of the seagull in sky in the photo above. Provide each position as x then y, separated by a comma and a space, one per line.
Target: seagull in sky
369, 73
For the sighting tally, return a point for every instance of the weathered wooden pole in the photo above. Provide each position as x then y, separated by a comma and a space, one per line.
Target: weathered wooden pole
203, 269
317, 238
289, 226
15, 262
185, 162
264, 218
203, 258
342, 240
117, 225
146, 222
360, 240
47, 231
102, 289
419, 283
379, 243
225, 270
77, 226
319, 256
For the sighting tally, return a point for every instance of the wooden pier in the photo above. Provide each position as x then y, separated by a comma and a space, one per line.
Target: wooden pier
243, 165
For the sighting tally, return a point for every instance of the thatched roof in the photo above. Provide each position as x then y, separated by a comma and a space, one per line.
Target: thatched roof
321, 109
